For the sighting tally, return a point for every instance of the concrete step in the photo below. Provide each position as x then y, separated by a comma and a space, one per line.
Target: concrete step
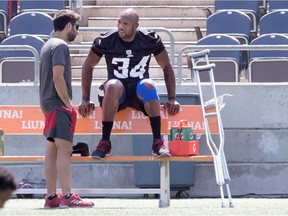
79, 58
143, 11
100, 73
89, 2
146, 10
180, 34
154, 2
166, 22
178, 45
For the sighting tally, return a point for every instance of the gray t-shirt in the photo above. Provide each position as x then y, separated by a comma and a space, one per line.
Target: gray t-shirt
54, 52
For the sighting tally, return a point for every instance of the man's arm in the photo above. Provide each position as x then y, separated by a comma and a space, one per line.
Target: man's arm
60, 85
169, 76
163, 60
87, 70
86, 107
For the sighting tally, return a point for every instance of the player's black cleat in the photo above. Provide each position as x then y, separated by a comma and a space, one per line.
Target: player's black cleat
103, 149
159, 149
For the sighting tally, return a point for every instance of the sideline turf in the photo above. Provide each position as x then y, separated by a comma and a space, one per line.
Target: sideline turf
149, 207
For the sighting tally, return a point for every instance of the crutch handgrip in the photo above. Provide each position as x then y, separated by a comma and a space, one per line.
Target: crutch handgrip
198, 54
204, 67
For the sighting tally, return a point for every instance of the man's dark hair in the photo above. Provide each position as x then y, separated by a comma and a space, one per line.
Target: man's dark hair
6, 180
63, 17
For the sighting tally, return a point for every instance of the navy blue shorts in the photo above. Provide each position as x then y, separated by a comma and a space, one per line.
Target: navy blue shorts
60, 124
129, 97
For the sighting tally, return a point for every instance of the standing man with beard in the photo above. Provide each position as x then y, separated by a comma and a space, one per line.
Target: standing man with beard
60, 116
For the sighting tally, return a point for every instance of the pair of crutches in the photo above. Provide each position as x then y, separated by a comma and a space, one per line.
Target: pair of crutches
211, 110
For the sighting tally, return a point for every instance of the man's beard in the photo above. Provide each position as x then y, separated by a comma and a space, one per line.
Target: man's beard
71, 36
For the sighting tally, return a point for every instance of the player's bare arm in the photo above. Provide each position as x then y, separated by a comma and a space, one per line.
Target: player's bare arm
60, 85
86, 107
172, 105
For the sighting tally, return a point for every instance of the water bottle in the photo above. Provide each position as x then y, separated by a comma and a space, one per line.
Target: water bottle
1, 142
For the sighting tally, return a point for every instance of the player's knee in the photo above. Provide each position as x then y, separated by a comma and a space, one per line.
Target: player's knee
113, 86
146, 90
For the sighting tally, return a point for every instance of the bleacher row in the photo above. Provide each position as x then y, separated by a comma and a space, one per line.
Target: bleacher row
250, 22
253, 22
24, 22
12, 8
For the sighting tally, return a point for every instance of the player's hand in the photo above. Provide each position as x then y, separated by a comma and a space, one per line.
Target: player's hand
172, 106
86, 108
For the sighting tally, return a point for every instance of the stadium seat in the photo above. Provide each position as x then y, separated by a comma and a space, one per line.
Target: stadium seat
36, 23
269, 65
251, 8
22, 39
17, 66
274, 22
43, 5
3, 20
227, 22
227, 62
276, 5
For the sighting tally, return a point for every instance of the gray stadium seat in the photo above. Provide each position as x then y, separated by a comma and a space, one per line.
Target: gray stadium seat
43, 5
274, 22
16, 66
36, 23
22, 39
227, 62
227, 22
276, 5
3, 19
269, 65
251, 8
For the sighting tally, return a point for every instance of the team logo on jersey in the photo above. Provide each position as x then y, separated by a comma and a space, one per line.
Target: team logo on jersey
129, 53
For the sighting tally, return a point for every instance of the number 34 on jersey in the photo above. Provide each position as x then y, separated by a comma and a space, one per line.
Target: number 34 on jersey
122, 71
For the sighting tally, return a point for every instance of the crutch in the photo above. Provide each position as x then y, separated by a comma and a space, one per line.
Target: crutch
217, 151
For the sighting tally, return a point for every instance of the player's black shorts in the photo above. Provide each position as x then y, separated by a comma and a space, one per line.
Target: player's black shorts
128, 99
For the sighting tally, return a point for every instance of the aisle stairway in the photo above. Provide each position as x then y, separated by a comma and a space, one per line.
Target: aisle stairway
179, 17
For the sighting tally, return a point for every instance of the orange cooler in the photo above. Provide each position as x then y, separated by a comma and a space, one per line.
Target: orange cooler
183, 148
181, 143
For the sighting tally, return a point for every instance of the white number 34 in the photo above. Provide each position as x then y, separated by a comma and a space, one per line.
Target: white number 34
123, 71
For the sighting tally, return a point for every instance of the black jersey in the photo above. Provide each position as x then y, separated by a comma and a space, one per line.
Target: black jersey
128, 60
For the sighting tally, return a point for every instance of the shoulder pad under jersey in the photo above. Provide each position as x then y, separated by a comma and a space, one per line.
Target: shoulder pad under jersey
147, 32
107, 33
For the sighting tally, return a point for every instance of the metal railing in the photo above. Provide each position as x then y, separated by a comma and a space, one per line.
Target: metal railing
191, 48
26, 48
181, 53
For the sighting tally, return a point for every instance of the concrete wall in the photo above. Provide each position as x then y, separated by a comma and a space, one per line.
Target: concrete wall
255, 122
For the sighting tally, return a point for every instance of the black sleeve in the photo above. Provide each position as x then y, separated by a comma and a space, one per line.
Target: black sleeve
156, 42
101, 43
159, 47
97, 48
